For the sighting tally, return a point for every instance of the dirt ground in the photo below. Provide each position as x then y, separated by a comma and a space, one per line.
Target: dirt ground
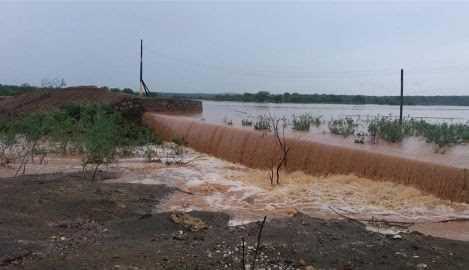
131, 106
63, 221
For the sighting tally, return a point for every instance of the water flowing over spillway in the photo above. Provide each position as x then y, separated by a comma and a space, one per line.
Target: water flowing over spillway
256, 150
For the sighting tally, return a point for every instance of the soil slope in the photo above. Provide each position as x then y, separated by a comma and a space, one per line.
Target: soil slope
43, 100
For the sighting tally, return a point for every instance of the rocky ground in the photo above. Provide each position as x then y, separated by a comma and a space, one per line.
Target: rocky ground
63, 221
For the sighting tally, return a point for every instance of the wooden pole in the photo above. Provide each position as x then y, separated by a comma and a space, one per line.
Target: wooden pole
141, 68
402, 95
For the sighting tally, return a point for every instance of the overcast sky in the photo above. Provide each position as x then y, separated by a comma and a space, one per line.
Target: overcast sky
308, 47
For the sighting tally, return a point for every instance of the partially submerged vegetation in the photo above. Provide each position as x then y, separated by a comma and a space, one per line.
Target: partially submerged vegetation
246, 123
263, 122
304, 121
344, 127
95, 132
441, 135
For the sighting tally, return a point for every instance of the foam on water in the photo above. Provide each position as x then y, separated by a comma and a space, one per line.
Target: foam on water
210, 184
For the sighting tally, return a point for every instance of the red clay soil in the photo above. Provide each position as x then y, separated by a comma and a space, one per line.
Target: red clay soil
44, 100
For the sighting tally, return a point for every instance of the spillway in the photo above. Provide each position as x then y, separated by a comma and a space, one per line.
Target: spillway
257, 150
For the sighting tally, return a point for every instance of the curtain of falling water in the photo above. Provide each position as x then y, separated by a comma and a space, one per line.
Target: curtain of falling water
257, 150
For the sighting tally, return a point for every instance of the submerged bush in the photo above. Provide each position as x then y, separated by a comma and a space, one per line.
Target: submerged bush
246, 123
262, 123
304, 121
441, 135
344, 127
387, 129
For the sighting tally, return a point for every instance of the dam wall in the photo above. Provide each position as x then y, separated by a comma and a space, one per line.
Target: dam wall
130, 105
257, 150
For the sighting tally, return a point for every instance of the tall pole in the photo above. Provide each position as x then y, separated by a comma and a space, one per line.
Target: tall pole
141, 68
402, 95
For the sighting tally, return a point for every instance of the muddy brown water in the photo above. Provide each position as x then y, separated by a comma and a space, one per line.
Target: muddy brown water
257, 150
211, 184
413, 148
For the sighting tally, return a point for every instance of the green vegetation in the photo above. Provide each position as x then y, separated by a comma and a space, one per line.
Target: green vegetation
441, 135
12, 90
304, 121
262, 123
96, 132
344, 127
264, 96
246, 123
388, 129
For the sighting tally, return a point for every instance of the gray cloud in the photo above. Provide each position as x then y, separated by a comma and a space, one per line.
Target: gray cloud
345, 47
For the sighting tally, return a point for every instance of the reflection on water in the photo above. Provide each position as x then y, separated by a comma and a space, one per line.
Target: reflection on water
414, 148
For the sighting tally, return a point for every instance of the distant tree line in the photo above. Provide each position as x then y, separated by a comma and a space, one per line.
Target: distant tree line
266, 97
11, 90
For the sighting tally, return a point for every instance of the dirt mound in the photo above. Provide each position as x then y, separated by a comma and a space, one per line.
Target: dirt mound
44, 100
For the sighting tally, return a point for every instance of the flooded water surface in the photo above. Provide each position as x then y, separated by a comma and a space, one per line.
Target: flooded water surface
414, 147
217, 112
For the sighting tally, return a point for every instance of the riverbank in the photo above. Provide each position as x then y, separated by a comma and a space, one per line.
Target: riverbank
65, 222
55, 218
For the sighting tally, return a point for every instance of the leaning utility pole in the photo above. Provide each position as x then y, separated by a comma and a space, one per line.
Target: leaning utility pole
143, 87
141, 68
402, 95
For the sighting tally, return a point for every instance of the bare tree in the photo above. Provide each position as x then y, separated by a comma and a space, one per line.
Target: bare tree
278, 160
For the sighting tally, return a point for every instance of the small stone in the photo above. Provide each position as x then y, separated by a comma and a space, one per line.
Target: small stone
397, 236
310, 267
301, 262
421, 266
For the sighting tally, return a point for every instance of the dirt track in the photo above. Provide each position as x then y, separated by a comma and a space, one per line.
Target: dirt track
62, 221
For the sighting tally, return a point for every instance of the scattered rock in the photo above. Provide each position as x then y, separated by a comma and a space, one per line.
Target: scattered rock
421, 266
188, 221
179, 235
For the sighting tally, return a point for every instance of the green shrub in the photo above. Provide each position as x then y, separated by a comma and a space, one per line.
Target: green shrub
96, 130
246, 123
441, 135
344, 127
262, 123
7, 141
99, 140
388, 130
304, 121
